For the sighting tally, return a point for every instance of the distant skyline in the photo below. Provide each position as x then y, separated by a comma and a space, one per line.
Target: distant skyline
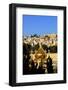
39, 25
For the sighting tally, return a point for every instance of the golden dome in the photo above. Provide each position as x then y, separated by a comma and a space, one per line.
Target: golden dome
40, 54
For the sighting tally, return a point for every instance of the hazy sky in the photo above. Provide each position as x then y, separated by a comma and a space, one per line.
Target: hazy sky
39, 25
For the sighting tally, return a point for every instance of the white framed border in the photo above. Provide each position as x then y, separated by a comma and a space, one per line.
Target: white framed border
44, 77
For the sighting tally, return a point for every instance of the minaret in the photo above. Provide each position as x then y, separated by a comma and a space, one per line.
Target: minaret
40, 46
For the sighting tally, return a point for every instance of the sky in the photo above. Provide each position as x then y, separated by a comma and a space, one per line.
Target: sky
39, 25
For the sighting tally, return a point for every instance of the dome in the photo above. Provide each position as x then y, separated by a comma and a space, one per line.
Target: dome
40, 54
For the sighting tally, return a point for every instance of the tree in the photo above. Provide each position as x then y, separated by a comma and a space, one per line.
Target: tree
53, 49
45, 47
